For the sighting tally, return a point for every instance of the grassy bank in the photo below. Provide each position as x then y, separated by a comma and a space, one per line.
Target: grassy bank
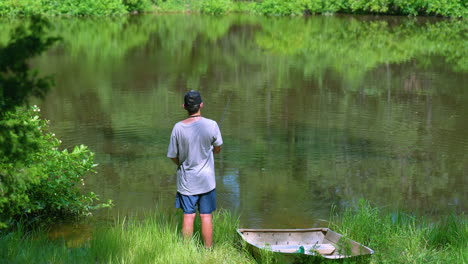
446, 8
153, 239
395, 237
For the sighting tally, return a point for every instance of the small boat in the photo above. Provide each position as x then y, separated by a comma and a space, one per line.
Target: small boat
303, 245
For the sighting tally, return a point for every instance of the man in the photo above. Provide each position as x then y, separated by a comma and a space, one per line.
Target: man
193, 142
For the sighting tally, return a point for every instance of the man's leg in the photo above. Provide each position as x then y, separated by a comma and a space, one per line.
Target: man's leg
207, 229
187, 225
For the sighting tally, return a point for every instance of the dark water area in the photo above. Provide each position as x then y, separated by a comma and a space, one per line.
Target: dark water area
314, 112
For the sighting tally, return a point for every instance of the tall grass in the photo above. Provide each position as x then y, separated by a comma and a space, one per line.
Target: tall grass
155, 238
403, 238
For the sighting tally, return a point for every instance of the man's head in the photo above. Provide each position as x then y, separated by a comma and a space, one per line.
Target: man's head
192, 102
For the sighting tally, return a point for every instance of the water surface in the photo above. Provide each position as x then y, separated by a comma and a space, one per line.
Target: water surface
314, 111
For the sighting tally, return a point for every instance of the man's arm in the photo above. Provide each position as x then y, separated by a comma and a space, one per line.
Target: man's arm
175, 160
216, 149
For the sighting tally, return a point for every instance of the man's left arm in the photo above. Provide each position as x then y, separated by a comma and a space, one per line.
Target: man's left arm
173, 150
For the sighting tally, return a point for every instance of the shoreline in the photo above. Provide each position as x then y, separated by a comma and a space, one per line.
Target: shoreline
396, 237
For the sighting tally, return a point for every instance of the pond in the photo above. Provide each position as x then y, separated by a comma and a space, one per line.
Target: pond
316, 112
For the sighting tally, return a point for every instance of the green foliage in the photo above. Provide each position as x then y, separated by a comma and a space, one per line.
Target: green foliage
450, 8
36, 179
138, 5
280, 7
88, 7
371, 6
215, 7
67, 7
243, 6
447, 8
325, 6
45, 182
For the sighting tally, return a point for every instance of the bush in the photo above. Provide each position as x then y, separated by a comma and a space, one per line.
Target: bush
447, 8
281, 7
173, 5
26, 7
370, 6
138, 5
46, 183
325, 6
64, 7
36, 179
215, 7
91, 7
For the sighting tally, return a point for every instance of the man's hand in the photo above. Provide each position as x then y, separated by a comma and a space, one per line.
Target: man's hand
216, 149
175, 160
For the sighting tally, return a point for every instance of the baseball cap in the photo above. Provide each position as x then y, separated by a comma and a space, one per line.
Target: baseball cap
192, 98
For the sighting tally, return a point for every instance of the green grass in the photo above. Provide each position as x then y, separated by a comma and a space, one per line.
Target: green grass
155, 238
403, 238
152, 239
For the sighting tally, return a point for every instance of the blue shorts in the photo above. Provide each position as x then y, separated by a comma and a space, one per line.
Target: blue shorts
206, 202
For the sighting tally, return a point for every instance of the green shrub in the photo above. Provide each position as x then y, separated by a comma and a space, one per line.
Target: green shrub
243, 7
17, 8
138, 5
447, 8
65, 7
174, 5
47, 182
215, 7
281, 7
370, 6
92, 7
37, 180
326, 6
409, 7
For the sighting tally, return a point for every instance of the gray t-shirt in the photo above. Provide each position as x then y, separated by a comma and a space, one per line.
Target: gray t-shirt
193, 145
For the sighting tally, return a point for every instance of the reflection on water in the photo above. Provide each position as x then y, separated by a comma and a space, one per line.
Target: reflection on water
74, 235
314, 111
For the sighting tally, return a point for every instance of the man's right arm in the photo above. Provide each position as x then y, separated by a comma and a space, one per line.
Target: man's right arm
217, 139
